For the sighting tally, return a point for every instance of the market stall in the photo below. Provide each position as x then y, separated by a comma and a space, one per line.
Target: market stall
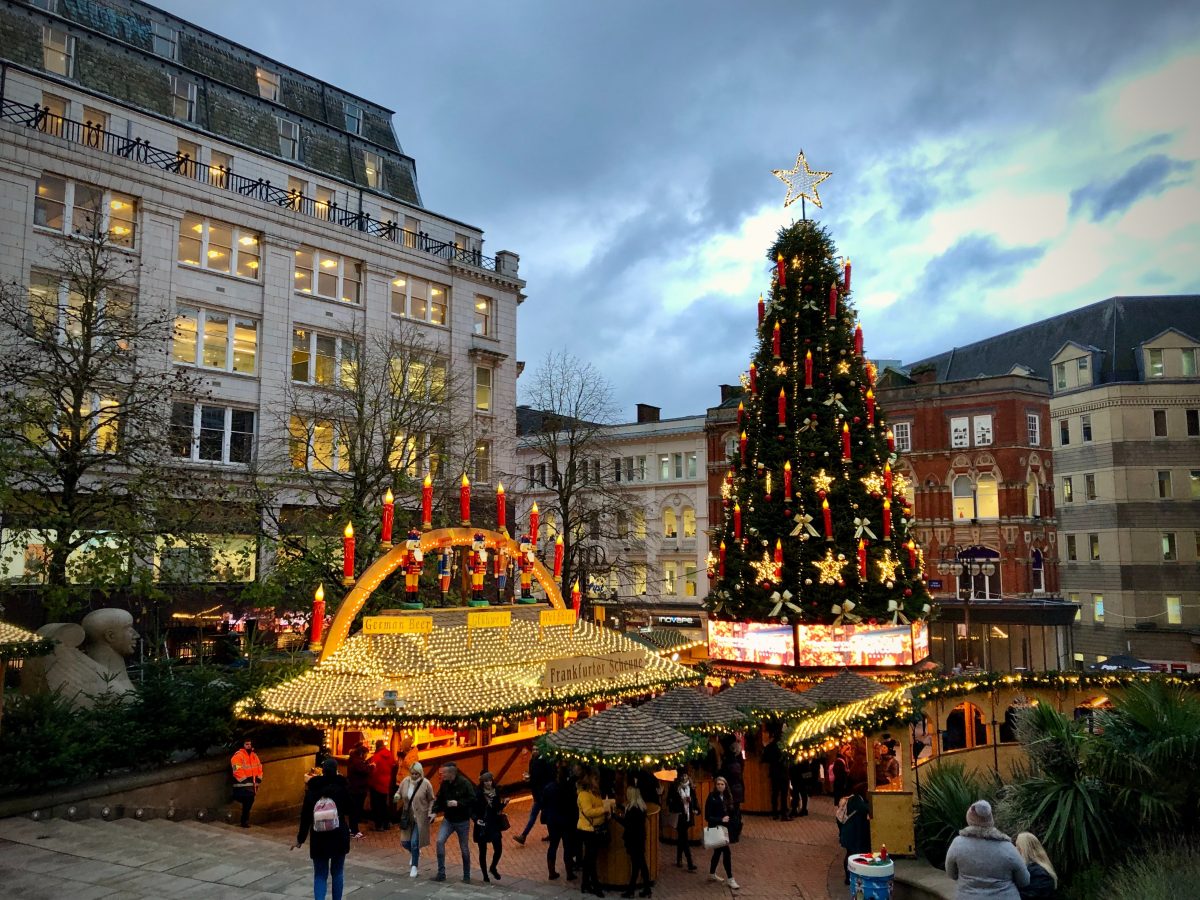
17, 643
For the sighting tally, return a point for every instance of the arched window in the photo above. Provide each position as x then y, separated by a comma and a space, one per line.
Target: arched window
964, 498
965, 728
987, 498
1037, 572
1033, 497
689, 522
670, 525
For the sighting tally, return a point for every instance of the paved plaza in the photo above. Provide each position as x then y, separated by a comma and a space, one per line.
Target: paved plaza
55, 858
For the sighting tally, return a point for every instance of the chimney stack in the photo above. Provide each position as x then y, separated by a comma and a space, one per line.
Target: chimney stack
647, 413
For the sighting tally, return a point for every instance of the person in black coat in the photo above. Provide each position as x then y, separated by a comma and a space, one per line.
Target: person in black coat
327, 849
777, 773
684, 806
489, 808
721, 811
633, 820
568, 817
541, 772
855, 833
552, 818
733, 767
1043, 880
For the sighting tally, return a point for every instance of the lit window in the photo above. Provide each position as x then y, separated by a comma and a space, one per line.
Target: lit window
223, 342
964, 498
689, 579
219, 247
1174, 610
219, 166
1068, 490
483, 315
902, 433
987, 498
483, 389
483, 462
289, 138
420, 299
669, 584
1169, 552
326, 275
354, 117
639, 524
57, 307
670, 525
268, 85
324, 360
207, 433
1097, 607
187, 158
1033, 498
1188, 362
166, 40
1194, 481
58, 51
323, 203
1060, 376
183, 98
373, 167
1154, 364
72, 207
639, 579
56, 110
315, 446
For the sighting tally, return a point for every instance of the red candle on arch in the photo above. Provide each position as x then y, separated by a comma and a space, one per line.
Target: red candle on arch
318, 615
348, 554
533, 524
828, 517
427, 503
464, 500
501, 512
846, 441
389, 513
558, 556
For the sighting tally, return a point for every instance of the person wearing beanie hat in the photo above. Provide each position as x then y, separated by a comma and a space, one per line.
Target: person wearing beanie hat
984, 861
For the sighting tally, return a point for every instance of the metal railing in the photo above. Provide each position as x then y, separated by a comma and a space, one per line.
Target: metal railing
87, 134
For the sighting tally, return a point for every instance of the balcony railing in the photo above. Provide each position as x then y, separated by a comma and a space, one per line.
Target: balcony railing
141, 151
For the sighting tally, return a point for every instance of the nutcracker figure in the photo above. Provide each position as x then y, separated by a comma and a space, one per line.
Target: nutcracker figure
412, 565
444, 574
525, 561
479, 557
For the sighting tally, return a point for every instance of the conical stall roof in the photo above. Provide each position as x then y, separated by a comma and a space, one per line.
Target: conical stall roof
456, 678
844, 687
760, 696
18, 643
623, 736
691, 709
664, 640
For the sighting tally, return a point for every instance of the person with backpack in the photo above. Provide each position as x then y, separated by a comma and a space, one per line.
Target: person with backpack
415, 801
854, 826
324, 821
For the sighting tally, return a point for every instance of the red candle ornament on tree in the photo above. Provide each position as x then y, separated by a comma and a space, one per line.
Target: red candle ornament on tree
742, 446
558, 556
887, 479
912, 555
891, 438
753, 379
808, 369
464, 500
870, 407
427, 503
858, 340
318, 616
776, 342
737, 521
721, 560
845, 441
501, 511
833, 298
862, 560
781, 269
762, 310
846, 276
348, 554
741, 412
782, 410
828, 517
778, 560
787, 481
887, 517
389, 513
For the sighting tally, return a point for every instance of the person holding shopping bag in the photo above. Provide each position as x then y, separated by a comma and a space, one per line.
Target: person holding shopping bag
723, 820
414, 798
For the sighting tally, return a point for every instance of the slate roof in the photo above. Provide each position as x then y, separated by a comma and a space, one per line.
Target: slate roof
758, 695
662, 640
620, 731
1115, 326
845, 687
690, 707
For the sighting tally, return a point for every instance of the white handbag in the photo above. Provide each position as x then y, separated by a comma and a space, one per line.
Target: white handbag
715, 838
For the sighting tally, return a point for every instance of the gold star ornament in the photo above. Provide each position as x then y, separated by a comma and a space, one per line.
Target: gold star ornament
801, 181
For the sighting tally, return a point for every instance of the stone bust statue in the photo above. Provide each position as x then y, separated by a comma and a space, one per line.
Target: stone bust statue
99, 669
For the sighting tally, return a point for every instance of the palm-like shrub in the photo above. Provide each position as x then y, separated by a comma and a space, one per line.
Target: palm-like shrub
946, 793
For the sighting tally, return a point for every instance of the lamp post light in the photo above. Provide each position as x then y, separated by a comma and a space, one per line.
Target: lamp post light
955, 564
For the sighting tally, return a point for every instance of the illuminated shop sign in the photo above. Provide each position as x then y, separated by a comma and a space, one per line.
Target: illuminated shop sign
679, 621
861, 645
752, 642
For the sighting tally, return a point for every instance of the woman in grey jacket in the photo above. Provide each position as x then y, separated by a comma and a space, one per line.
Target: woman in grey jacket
984, 861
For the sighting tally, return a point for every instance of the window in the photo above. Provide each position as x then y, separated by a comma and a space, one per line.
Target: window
1033, 497
689, 579
187, 158
691, 460
323, 202
1082, 364
268, 85
983, 431
483, 462
55, 304
289, 138
326, 275
639, 524
354, 117
670, 587
55, 107
1033, 425
1188, 362
664, 467
639, 579
166, 40
1193, 422
964, 498
622, 524
1097, 607
1094, 546
314, 446
204, 433
987, 498
1089, 486
72, 207
373, 168
1154, 364
689, 522
58, 51
1164, 485
483, 315
1072, 552
219, 247
1085, 429
1194, 480
1064, 432
1060, 376
1073, 597
483, 389
960, 432
219, 166
214, 340
1174, 609
47, 5
1169, 550
902, 435
322, 359
416, 453
1160, 422
670, 524
96, 121
677, 459
419, 299
183, 99
1037, 572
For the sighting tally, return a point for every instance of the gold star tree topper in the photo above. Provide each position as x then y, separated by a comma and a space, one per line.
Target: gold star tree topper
801, 181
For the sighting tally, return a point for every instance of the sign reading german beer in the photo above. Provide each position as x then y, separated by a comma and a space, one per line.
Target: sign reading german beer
397, 625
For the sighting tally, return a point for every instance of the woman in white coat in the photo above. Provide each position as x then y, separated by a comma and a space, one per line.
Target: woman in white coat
414, 797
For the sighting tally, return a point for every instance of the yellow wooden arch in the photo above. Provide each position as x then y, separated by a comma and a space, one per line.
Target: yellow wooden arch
437, 539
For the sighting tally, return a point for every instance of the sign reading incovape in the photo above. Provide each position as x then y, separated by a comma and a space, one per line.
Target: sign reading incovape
397, 625
575, 669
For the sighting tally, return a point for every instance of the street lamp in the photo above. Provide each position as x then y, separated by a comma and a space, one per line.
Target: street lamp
954, 563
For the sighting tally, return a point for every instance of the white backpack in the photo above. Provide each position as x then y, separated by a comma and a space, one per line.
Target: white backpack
325, 815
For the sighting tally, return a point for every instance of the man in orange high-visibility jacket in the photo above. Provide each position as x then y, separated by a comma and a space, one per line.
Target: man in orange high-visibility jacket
247, 776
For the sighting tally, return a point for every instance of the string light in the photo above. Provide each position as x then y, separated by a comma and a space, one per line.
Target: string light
764, 569
821, 481
873, 483
887, 565
830, 568
801, 181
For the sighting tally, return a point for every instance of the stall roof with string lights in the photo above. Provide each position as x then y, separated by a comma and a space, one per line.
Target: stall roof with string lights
462, 667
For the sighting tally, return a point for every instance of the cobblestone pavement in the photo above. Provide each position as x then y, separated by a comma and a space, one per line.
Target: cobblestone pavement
129, 859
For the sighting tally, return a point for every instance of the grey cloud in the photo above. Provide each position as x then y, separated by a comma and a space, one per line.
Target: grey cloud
1146, 178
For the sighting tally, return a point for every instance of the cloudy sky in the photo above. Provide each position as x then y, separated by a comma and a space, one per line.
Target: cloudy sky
993, 163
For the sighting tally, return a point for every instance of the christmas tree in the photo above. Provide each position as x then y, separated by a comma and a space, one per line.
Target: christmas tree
814, 526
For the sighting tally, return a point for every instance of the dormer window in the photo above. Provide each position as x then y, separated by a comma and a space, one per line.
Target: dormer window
1154, 364
1189, 361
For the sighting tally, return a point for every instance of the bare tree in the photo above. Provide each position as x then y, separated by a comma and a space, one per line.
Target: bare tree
85, 397
571, 437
